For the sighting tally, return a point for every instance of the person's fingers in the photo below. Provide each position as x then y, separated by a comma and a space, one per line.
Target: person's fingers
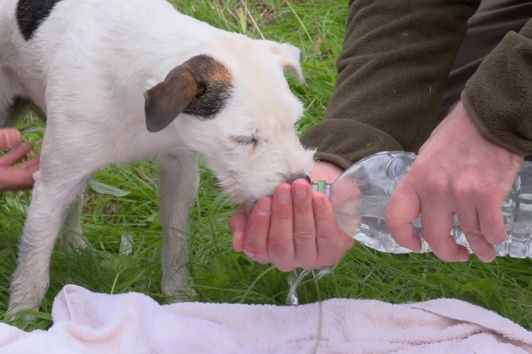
304, 230
470, 226
15, 179
403, 208
16, 155
256, 234
31, 165
436, 228
326, 230
491, 221
237, 224
280, 239
9, 138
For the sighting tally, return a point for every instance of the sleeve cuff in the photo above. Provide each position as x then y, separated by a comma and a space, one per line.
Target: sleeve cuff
345, 141
498, 97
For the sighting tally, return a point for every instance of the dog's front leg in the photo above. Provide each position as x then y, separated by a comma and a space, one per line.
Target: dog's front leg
179, 181
72, 236
55, 189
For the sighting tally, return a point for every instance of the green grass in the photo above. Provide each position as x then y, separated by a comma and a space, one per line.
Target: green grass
220, 274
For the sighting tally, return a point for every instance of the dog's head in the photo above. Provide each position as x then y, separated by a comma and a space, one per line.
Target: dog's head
235, 108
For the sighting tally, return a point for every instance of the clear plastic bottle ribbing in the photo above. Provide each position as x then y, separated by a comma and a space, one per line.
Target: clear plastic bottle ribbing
360, 195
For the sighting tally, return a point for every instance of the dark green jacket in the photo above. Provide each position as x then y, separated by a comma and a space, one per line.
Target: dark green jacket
396, 60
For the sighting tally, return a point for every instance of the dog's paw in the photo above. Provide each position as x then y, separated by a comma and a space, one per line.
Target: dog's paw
181, 295
178, 290
72, 241
24, 297
18, 308
27, 291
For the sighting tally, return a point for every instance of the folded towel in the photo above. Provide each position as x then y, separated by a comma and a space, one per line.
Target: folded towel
87, 322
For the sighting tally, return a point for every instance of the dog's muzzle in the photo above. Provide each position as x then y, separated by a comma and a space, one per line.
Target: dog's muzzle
292, 177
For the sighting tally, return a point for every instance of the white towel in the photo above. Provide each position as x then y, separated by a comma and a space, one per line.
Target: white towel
87, 322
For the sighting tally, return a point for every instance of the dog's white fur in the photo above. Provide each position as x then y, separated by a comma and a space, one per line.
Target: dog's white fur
87, 68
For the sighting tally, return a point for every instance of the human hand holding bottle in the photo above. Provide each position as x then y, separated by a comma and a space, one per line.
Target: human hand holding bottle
457, 171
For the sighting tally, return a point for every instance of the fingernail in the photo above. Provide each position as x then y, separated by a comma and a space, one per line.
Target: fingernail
300, 191
284, 196
8, 140
11, 136
237, 241
264, 206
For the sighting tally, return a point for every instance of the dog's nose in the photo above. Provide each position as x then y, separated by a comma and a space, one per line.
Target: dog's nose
293, 176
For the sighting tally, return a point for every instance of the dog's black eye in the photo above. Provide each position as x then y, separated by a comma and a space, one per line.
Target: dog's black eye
245, 140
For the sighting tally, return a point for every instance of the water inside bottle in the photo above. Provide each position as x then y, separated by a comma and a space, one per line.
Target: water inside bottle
519, 239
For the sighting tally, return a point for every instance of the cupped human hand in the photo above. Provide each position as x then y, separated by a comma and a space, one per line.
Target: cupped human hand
295, 227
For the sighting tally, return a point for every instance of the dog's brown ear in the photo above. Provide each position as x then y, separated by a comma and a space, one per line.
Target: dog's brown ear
200, 87
166, 100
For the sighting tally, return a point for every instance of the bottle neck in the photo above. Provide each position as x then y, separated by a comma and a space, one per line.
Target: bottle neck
365, 206
322, 187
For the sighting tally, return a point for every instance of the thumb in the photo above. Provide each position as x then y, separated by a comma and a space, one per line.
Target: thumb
403, 208
15, 179
9, 138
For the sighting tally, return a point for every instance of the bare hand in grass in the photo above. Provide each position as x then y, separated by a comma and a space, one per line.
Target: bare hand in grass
15, 176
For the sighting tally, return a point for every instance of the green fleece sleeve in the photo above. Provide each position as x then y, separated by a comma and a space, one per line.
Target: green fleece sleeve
395, 61
499, 95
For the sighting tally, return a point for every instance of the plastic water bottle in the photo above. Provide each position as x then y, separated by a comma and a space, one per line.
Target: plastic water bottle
360, 195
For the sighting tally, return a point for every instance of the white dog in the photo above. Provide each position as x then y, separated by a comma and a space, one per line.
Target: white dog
124, 80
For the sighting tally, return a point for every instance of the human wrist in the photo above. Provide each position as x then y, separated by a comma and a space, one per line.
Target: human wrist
326, 171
